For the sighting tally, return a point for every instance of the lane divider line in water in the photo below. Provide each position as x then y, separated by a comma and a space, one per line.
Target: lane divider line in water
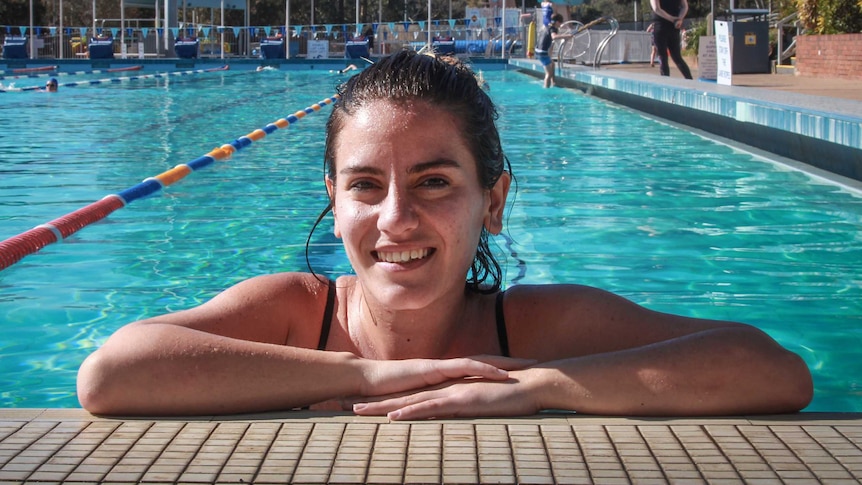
17, 247
54, 72
119, 79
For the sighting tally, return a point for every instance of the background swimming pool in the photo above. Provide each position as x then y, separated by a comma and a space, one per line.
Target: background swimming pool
606, 197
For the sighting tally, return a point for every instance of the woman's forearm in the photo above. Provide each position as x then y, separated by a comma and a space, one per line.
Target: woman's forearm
717, 372
162, 369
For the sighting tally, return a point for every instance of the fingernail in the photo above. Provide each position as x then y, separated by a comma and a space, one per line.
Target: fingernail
394, 415
359, 406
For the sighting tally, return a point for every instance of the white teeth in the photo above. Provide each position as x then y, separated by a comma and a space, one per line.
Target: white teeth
402, 256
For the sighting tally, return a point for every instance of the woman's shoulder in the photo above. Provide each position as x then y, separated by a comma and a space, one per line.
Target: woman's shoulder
287, 284
276, 296
563, 320
555, 296
265, 308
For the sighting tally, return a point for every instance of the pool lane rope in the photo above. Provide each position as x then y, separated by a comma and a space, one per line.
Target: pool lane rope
55, 72
17, 247
118, 79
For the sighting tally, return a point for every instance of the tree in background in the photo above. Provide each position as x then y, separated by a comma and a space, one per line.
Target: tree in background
831, 16
17, 12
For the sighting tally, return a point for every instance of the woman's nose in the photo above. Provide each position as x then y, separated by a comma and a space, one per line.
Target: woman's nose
397, 213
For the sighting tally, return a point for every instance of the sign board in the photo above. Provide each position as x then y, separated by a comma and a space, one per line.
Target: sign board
706, 61
318, 49
724, 73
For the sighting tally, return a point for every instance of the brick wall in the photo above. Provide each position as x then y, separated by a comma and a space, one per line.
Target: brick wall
837, 56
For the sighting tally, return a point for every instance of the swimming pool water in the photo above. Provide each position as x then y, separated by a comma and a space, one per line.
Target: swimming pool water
605, 197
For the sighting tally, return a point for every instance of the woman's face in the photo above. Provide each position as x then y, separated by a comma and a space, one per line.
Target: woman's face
408, 203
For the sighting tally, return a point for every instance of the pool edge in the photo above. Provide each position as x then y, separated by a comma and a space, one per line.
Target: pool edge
795, 126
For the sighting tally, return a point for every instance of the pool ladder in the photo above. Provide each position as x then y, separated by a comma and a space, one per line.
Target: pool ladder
578, 46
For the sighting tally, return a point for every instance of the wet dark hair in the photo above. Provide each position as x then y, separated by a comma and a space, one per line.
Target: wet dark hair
446, 83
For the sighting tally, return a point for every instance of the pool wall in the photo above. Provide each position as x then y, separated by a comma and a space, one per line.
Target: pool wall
822, 132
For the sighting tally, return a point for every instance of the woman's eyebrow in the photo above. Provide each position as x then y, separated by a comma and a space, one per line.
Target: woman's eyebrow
360, 169
433, 164
418, 168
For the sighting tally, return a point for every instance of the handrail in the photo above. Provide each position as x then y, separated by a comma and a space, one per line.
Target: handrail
782, 52
601, 47
579, 27
17, 247
600, 50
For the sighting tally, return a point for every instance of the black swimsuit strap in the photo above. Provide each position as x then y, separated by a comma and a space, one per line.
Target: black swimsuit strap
327, 316
502, 335
501, 326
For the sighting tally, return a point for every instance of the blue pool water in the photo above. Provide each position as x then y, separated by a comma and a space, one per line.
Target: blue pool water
606, 197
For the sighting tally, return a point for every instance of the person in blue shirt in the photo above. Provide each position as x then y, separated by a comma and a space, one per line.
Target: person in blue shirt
547, 12
549, 34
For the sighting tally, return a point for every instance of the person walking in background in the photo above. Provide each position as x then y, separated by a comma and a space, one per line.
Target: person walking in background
652, 53
549, 34
547, 12
668, 16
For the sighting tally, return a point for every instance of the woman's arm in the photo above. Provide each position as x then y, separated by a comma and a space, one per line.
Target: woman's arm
247, 350
602, 354
656, 7
722, 371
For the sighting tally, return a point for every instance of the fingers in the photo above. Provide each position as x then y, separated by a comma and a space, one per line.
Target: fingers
466, 367
423, 405
507, 363
467, 398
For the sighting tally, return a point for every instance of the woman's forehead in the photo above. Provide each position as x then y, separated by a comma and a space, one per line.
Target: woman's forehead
414, 131
398, 117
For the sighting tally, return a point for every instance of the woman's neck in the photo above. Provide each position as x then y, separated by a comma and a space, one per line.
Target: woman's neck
437, 331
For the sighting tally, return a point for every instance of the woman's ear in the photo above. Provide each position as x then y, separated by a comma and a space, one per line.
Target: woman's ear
330, 191
498, 194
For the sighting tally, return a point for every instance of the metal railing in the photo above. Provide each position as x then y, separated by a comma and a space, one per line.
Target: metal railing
791, 22
228, 41
571, 49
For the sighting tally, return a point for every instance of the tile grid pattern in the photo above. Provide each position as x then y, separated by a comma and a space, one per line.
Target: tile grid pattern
347, 449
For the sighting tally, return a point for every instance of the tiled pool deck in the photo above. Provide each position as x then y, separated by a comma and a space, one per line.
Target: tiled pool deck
71, 446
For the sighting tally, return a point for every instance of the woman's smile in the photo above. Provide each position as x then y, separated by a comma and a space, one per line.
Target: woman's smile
405, 256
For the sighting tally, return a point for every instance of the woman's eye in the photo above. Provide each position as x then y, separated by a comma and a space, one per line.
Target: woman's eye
361, 185
435, 182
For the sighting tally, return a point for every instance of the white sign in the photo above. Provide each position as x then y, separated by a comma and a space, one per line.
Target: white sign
318, 49
724, 67
706, 62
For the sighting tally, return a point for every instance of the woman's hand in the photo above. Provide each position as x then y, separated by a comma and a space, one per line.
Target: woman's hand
388, 377
462, 397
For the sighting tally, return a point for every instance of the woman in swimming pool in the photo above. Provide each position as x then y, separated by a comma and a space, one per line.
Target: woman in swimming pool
417, 181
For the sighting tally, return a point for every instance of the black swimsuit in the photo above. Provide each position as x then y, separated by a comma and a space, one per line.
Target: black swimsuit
330, 305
